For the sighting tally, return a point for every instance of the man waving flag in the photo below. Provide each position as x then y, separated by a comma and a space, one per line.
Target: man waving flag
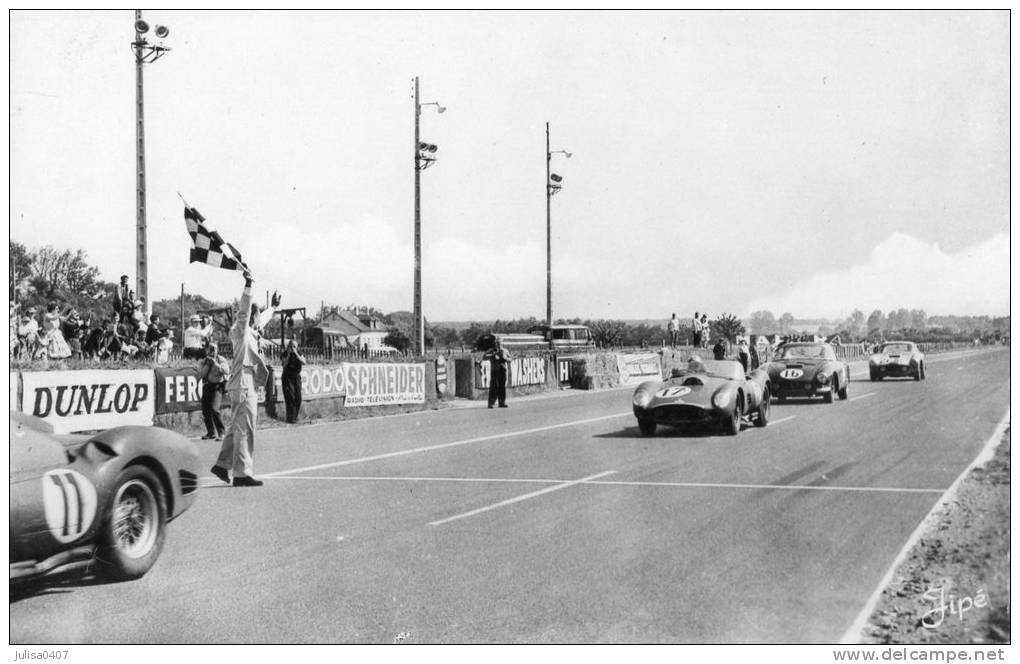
208, 247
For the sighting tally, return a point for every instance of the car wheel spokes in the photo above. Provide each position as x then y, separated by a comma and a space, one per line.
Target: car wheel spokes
135, 515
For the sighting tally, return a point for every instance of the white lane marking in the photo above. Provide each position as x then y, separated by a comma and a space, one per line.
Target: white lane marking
862, 396
790, 487
393, 478
428, 448
591, 480
782, 419
856, 630
518, 499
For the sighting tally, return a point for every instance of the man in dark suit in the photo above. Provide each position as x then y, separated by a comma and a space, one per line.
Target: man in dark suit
499, 361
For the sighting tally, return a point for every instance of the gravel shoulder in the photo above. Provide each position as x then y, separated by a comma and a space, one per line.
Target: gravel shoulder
953, 587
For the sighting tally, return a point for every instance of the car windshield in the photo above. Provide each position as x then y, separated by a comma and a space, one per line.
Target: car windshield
805, 351
729, 369
895, 348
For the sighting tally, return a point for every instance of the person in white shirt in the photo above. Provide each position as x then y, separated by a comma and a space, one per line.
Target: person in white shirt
673, 327
195, 339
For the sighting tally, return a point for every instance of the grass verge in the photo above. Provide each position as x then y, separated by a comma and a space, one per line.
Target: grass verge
953, 588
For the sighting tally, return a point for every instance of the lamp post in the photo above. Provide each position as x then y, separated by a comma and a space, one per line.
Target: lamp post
552, 186
144, 53
424, 156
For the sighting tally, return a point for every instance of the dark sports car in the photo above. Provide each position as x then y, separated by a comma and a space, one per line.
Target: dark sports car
104, 500
706, 392
897, 359
808, 370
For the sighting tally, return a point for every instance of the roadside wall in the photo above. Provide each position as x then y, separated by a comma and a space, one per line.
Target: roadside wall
93, 399
88, 400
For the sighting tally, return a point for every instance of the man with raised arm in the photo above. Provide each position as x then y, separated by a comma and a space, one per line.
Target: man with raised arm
248, 371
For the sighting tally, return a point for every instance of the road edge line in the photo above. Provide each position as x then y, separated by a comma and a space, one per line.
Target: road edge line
853, 635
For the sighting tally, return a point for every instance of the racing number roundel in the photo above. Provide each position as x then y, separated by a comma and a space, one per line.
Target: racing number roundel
69, 500
791, 373
670, 392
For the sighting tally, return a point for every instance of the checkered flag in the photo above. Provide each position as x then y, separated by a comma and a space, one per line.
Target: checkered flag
208, 247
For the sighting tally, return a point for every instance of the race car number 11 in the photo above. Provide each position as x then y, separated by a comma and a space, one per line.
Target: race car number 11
791, 373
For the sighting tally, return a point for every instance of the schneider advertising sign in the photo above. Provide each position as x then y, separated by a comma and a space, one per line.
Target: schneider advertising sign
378, 384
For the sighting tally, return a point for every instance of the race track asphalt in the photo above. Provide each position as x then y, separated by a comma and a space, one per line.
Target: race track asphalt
552, 521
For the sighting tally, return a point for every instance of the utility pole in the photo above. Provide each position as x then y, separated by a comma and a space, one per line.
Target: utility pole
552, 186
548, 235
182, 312
423, 158
419, 325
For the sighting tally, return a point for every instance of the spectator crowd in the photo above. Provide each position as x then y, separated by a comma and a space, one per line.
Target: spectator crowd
124, 333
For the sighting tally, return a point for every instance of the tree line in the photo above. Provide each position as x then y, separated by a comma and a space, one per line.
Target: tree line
43, 275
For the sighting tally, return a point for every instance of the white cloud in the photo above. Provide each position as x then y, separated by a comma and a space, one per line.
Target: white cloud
904, 272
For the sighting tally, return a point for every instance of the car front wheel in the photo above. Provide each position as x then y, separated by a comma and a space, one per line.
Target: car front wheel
762, 414
134, 526
731, 424
647, 426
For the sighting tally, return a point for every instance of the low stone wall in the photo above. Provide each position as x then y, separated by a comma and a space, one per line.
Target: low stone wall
333, 408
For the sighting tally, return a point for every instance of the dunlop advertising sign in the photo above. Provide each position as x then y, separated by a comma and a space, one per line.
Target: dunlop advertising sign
87, 400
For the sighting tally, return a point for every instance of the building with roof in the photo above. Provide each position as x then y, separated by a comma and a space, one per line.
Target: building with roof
359, 328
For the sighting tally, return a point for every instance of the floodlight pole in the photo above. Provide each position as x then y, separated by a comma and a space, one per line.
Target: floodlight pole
144, 52
141, 250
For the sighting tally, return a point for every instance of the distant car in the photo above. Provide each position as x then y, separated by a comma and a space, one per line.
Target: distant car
896, 359
102, 500
808, 369
706, 392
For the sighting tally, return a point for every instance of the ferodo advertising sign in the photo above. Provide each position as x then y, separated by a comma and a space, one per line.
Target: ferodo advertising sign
378, 384
521, 371
638, 367
86, 400
320, 382
178, 390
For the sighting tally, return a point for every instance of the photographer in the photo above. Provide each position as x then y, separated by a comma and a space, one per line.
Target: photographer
292, 362
214, 372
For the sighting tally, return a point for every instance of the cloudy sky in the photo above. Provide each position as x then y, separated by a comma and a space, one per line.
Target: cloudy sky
802, 162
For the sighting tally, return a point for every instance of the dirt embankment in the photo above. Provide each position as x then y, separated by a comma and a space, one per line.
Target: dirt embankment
953, 588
